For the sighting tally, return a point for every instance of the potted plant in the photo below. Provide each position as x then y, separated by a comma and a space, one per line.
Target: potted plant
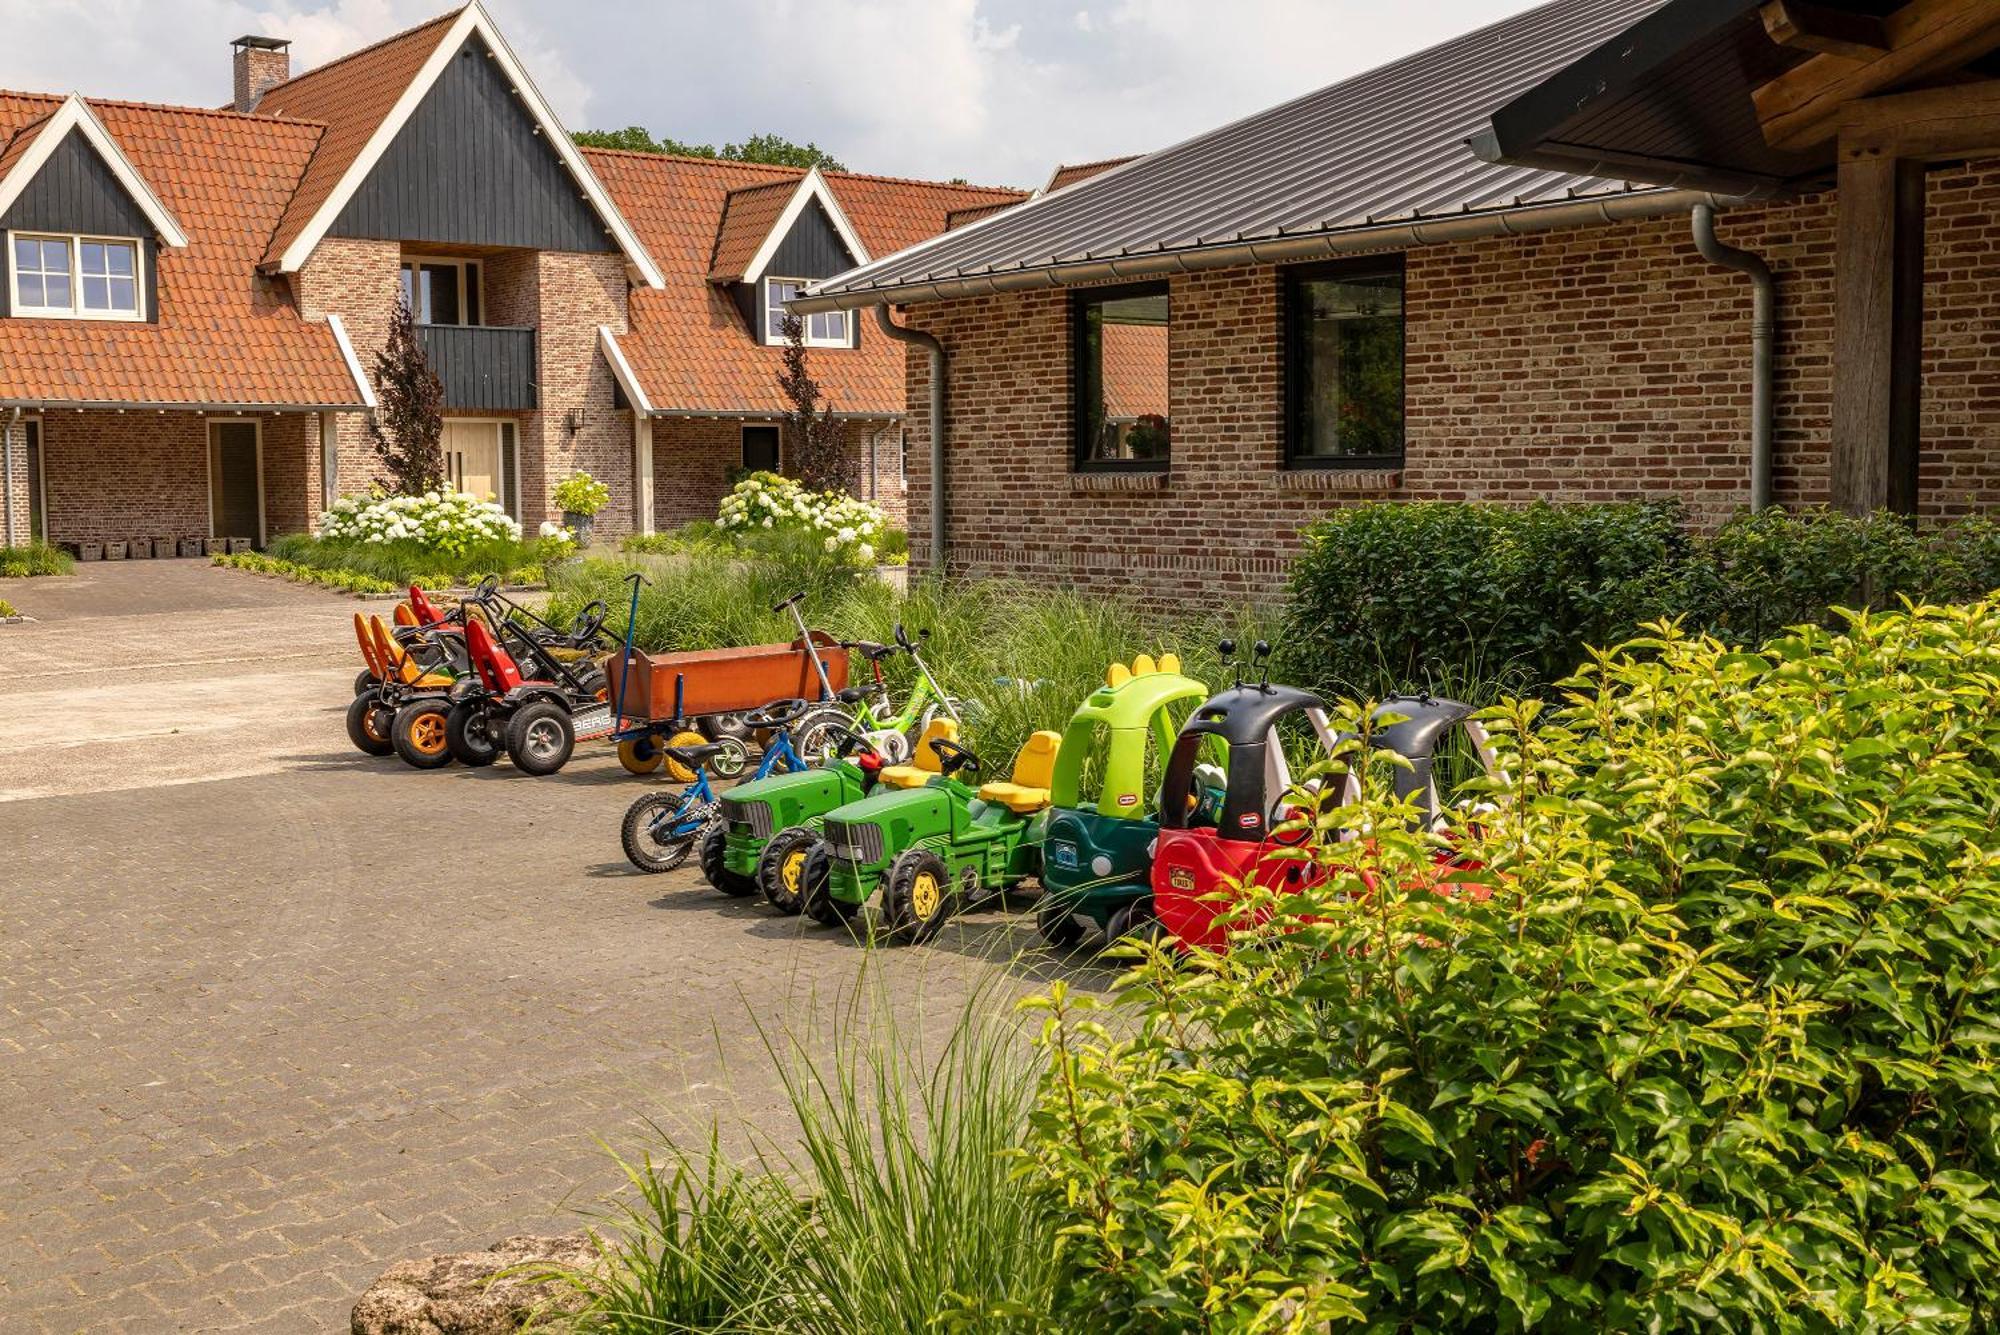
580, 496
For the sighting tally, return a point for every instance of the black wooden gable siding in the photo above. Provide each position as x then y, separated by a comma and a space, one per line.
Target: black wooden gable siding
76, 192
812, 249
469, 169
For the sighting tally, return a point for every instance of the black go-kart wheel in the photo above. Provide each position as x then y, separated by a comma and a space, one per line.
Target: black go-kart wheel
419, 734
368, 722
365, 682
468, 734
781, 868
540, 737
918, 895
713, 868
1057, 924
643, 827
820, 904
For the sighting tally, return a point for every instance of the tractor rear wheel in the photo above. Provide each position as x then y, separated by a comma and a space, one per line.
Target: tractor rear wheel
715, 869
781, 870
540, 737
418, 734
820, 904
368, 721
468, 732
917, 895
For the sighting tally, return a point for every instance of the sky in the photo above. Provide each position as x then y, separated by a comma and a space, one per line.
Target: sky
993, 91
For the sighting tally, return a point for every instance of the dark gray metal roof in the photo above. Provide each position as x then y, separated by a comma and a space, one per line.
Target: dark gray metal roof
1385, 146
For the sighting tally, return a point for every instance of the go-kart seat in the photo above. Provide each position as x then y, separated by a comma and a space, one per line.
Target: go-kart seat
925, 766
1028, 791
403, 667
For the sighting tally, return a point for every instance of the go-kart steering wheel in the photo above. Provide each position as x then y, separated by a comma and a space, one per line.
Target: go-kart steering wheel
775, 716
952, 757
487, 588
589, 621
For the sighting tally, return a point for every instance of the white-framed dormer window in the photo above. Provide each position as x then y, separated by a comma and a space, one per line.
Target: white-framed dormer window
824, 329
75, 277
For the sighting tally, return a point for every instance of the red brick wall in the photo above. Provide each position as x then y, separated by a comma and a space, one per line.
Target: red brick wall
693, 458
1593, 364
358, 281
576, 293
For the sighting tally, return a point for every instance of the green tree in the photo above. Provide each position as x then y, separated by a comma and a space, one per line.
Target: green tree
769, 149
637, 139
408, 426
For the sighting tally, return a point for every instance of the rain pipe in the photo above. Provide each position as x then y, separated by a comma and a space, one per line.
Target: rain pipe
928, 342
7, 470
1763, 341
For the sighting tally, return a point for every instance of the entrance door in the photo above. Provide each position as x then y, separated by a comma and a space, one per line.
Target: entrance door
235, 481
473, 459
38, 504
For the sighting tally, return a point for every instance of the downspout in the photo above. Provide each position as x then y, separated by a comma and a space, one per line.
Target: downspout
7, 469
930, 344
1763, 344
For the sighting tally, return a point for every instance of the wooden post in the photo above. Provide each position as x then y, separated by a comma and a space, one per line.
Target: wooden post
1877, 332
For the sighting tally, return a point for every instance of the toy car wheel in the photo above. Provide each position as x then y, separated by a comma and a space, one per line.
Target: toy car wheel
731, 760
820, 904
715, 870
468, 733
418, 734
1136, 922
1057, 924
781, 870
365, 682
540, 737
640, 755
368, 722
651, 834
917, 896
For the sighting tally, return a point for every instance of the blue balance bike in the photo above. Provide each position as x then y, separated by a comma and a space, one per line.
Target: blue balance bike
662, 827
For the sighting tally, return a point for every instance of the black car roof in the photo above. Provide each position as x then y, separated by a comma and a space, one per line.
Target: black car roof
1246, 714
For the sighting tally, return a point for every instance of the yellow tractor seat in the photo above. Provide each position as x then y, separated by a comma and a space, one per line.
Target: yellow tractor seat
1034, 766
923, 766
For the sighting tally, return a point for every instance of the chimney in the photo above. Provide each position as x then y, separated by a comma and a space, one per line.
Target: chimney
262, 63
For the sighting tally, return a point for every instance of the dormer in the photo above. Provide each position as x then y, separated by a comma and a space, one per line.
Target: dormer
81, 228
773, 240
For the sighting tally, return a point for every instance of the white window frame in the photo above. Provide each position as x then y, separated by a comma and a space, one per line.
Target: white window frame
743, 430
774, 334
458, 262
75, 310
208, 468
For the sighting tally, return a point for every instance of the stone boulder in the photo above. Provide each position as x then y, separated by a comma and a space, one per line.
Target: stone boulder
459, 1294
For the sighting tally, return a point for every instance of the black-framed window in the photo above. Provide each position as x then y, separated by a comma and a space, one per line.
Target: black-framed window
760, 449
1121, 409
1344, 364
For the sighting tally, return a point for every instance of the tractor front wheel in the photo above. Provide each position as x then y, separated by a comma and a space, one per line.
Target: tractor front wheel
715, 869
781, 870
468, 732
368, 721
917, 895
418, 734
820, 904
540, 737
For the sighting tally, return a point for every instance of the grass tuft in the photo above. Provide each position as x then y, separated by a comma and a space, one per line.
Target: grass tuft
35, 558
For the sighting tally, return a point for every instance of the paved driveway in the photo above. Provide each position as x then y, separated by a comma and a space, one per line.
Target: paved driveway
274, 1014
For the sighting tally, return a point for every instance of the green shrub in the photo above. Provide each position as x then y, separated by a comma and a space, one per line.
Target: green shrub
35, 558
347, 581
7, 609
407, 562
1717, 1052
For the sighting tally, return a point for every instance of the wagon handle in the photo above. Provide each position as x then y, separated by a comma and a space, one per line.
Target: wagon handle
635, 579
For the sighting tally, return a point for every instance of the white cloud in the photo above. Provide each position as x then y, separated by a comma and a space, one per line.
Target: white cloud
991, 90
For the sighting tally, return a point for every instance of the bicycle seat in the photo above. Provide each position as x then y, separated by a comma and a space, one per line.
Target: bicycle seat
870, 649
693, 757
853, 695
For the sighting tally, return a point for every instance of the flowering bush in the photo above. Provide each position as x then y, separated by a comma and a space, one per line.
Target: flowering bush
448, 521
555, 543
581, 494
847, 527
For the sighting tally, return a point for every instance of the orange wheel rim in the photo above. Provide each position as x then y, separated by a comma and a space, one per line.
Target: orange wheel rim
368, 726
428, 734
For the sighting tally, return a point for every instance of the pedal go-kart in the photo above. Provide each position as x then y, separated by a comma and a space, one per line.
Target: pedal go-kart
1097, 856
661, 828
536, 719
932, 843
394, 678
769, 836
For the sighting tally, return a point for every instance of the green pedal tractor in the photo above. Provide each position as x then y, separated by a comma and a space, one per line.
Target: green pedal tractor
933, 842
1097, 854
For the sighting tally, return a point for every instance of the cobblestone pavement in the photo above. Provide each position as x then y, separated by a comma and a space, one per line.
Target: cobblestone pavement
261, 1036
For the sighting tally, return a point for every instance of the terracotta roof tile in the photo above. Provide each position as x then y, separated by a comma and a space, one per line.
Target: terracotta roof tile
226, 335
689, 345
351, 97
747, 218
1069, 173
972, 213
1135, 370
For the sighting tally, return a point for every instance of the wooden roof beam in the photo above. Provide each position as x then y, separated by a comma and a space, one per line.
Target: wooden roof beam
1834, 32
1961, 121
1802, 107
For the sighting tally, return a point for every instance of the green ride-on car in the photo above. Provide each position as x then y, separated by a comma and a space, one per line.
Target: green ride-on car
1097, 856
766, 835
933, 841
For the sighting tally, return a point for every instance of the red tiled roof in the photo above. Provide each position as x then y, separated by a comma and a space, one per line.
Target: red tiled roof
688, 345
1069, 173
351, 97
974, 212
1135, 370
226, 335
747, 218
23, 139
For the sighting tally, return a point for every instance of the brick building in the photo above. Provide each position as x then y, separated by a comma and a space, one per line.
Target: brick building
1357, 306
194, 298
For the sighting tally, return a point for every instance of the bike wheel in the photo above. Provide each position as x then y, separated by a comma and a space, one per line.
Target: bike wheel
654, 832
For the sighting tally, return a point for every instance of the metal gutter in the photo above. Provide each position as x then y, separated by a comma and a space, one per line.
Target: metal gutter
1593, 212
1763, 340
929, 343
7, 471
753, 415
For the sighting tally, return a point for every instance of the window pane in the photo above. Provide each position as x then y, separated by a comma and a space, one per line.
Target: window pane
93, 257
57, 286
1122, 409
760, 448
55, 258
836, 323
776, 294
124, 294
1347, 340
440, 294
409, 291
121, 260
96, 293
26, 252
472, 294
29, 290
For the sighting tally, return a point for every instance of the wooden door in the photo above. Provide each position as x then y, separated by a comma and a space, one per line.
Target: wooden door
235, 482
472, 459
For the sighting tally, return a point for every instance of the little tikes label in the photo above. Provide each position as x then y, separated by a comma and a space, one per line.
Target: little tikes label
1128, 799
1249, 820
